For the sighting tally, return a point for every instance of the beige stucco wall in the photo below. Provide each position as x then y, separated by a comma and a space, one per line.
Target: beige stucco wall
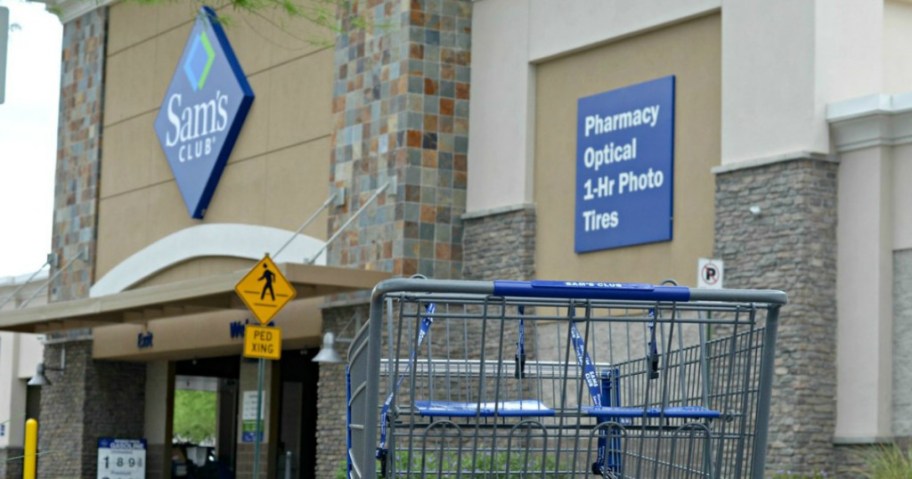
691, 51
278, 172
508, 39
897, 33
871, 139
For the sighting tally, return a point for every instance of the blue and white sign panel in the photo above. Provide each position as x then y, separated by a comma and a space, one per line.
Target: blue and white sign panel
625, 166
121, 458
203, 111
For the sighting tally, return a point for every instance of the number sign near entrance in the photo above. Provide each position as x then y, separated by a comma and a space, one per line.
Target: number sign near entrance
121, 458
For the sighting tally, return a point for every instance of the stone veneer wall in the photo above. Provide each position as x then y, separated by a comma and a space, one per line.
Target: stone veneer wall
500, 245
11, 468
331, 400
790, 246
86, 401
902, 337
78, 154
401, 109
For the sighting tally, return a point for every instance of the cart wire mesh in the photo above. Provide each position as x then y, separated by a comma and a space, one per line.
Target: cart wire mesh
504, 379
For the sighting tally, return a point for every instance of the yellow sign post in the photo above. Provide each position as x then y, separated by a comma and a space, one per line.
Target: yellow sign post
265, 290
262, 342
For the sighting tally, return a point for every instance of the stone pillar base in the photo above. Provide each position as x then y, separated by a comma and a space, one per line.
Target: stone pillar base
790, 245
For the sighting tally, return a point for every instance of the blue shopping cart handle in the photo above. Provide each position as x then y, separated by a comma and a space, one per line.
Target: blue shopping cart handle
591, 290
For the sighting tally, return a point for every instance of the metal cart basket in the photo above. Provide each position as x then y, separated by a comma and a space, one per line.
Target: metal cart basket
558, 379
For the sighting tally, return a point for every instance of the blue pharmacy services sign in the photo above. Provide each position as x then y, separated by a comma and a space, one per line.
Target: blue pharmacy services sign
202, 112
625, 166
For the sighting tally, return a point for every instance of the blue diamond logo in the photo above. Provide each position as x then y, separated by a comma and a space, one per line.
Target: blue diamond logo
203, 111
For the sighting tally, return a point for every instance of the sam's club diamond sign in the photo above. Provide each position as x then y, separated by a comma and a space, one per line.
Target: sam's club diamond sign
625, 166
203, 111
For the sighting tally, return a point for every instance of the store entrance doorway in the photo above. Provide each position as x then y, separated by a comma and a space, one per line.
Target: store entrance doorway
204, 425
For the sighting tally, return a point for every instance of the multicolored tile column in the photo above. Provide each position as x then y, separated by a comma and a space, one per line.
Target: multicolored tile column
401, 109
78, 155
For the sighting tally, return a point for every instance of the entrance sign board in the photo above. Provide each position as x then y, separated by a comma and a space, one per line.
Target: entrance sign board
265, 290
249, 416
625, 166
262, 342
202, 112
121, 458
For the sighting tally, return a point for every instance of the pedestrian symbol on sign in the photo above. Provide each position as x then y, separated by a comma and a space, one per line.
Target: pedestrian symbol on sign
265, 277
268, 276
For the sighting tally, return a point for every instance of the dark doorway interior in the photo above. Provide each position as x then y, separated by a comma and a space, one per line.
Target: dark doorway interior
217, 377
297, 428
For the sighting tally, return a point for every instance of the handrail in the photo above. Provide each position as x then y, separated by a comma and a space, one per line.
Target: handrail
23, 285
332, 197
348, 222
81, 255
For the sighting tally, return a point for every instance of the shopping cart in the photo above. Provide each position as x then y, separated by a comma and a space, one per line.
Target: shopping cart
553, 379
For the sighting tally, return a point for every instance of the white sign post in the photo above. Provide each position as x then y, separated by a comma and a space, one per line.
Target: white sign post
710, 273
4, 48
121, 458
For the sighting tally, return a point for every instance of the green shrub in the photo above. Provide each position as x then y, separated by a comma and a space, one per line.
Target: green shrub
342, 470
487, 465
792, 475
887, 462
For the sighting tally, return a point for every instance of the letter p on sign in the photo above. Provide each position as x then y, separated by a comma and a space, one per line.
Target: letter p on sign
710, 273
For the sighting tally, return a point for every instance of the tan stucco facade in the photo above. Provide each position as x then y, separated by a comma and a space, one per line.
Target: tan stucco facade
277, 174
691, 51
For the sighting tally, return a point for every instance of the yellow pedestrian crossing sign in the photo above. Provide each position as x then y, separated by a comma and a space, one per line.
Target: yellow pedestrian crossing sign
264, 290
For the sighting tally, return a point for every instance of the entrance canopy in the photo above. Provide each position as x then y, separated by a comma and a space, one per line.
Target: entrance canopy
180, 298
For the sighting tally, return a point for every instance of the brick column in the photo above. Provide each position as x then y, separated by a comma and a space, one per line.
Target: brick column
790, 245
86, 401
331, 401
11, 468
500, 245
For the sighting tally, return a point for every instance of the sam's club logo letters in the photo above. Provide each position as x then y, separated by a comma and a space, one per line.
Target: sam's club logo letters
194, 128
202, 112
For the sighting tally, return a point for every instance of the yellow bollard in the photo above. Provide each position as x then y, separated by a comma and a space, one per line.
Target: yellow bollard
31, 449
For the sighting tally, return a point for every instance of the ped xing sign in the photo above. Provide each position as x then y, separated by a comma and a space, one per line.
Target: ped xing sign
262, 342
625, 166
265, 290
202, 113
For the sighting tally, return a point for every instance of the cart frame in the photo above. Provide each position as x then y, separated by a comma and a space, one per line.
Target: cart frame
363, 425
